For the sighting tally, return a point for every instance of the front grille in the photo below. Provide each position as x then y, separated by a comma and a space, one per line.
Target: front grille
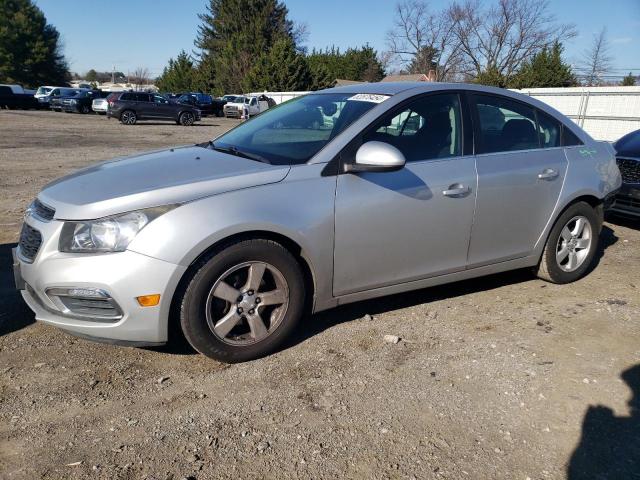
30, 241
629, 169
627, 202
41, 211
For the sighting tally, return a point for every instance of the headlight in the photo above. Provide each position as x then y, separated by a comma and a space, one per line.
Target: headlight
110, 234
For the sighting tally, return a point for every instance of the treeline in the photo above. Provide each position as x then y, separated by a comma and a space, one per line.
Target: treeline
251, 45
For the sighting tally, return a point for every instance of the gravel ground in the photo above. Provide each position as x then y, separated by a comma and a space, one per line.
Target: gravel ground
490, 378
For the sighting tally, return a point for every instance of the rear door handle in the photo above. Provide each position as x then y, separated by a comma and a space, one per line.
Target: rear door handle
456, 190
548, 174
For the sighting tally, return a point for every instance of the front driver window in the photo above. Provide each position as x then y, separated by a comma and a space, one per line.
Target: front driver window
159, 99
428, 128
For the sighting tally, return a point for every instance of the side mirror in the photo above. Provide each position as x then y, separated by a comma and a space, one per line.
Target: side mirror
377, 157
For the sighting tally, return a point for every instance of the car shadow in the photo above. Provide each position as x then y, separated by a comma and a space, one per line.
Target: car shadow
324, 320
14, 313
609, 447
623, 221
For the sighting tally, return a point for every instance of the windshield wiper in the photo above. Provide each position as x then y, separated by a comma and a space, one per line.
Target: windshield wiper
239, 153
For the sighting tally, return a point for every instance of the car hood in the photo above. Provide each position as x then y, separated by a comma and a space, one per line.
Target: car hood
151, 179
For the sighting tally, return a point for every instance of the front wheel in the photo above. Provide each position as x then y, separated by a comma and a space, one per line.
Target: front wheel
85, 109
243, 302
571, 245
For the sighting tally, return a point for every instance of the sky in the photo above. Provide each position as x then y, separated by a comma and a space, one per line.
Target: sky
129, 34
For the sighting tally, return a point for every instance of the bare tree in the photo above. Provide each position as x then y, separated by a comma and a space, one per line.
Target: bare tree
424, 40
597, 60
140, 77
500, 38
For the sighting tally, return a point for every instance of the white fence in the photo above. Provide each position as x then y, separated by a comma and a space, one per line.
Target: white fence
605, 113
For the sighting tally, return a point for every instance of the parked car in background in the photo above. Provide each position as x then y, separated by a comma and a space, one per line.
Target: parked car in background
55, 103
81, 102
100, 104
14, 96
205, 103
245, 107
234, 238
129, 107
627, 200
42, 95
54, 100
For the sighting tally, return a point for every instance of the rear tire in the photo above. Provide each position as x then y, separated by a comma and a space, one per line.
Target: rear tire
128, 117
571, 246
187, 119
243, 302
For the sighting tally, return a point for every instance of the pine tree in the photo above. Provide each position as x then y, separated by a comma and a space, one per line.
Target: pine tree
233, 35
545, 69
30, 50
179, 75
281, 69
629, 80
359, 64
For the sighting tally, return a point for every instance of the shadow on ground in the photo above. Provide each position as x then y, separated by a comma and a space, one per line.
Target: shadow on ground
14, 313
610, 446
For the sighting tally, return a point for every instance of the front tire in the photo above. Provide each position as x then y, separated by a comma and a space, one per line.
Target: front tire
571, 245
243, 302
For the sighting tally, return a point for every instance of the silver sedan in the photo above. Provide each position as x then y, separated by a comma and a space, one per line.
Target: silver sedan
338, 196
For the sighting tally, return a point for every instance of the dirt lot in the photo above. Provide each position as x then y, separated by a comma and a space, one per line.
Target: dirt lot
493, 378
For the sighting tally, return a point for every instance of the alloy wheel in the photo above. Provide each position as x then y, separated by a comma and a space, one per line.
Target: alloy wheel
187, 119
574, 243
128, 118
247, 303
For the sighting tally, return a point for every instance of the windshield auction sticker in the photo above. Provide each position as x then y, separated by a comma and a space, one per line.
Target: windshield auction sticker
369, 97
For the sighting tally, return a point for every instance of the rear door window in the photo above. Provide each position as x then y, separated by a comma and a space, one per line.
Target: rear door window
569, 139
505, 125
549, 130
142, 97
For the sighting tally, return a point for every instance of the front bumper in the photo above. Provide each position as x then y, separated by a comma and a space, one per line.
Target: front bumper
70, 108
124, 276
627, 200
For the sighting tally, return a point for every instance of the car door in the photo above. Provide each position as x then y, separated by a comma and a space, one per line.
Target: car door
144, 106
520, 175
163, 108
395, 227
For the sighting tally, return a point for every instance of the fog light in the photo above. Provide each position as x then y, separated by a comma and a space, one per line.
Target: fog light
149, 300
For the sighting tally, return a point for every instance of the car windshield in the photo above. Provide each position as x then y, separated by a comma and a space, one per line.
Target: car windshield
43, 90
294, 131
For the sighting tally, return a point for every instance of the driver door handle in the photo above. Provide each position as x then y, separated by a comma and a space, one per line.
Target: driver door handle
548, 174
456, 190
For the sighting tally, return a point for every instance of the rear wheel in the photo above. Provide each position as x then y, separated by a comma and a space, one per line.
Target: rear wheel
187, 119
243, 302
571, 245
128, 117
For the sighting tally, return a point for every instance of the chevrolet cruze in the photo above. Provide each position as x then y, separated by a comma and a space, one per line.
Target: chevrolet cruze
397, 186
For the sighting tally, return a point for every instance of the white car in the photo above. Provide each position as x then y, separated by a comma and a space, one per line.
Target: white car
100, 106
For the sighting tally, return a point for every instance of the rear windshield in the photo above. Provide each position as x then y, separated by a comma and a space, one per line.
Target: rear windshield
43, 90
